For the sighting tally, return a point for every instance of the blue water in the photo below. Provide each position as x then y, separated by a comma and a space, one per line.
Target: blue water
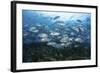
57, 29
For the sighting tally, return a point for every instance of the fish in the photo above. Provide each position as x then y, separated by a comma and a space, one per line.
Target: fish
36, 31
76, 46
64, 39
62, 44
62, 24
54, 33
56, 17
75, 29
43, 35
79, 20
32, 28
51, 43
44, 39
39, 25
79, 40
59, 22
25, 34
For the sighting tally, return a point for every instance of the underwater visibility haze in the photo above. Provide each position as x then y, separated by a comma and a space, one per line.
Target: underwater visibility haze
56, 36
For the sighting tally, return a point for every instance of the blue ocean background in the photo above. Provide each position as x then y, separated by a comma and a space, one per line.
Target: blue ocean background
58, 30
